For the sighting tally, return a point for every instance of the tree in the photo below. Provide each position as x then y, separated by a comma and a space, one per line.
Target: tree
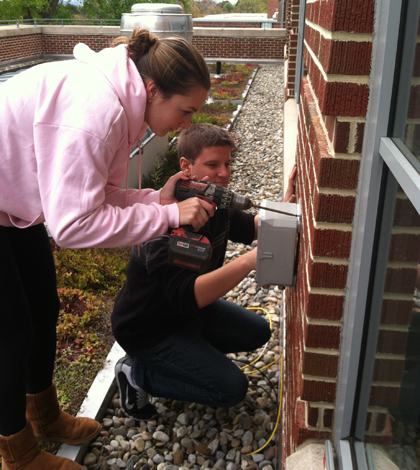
21, 9
226, 7
204, 7
34, 9
112, 9
251, 6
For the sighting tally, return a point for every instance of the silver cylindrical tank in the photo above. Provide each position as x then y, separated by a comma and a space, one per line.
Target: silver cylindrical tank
163, 19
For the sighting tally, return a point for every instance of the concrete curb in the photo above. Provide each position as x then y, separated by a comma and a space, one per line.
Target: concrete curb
96, 402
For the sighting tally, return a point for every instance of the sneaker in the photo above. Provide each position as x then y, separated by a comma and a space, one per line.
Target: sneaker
134, 400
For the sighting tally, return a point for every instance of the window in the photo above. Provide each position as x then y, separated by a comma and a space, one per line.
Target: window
378, 397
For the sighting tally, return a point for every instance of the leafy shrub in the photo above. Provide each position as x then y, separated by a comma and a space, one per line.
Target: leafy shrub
98, 270
168, 167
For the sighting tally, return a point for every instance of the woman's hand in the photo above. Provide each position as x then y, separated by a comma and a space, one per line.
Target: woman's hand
168, 191
289, 195
195, 212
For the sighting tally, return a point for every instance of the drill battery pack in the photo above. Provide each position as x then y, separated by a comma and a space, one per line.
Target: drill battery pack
189, 250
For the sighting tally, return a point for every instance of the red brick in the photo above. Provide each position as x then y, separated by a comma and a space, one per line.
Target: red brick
312, 416
384, 396
400, 280
396, 312
405, 214
322, 306
322, 365
314, 390
392, 342
322, 336
342, 136
359, 137
347, 15
328, 417
404, 247
388, 370
347, 57
414, 102
329, 276
333, 208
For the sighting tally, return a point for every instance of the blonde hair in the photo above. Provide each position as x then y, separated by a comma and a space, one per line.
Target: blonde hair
173, 64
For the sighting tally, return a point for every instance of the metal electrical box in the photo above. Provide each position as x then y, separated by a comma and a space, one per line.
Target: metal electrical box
278, 244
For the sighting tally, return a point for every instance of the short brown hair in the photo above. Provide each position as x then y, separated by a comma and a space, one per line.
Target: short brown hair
192, 141
173, 64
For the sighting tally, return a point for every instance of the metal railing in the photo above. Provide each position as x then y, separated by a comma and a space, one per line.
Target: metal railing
62, 22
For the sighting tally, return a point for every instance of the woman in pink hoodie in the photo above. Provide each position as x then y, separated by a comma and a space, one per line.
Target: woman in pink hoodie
67, 130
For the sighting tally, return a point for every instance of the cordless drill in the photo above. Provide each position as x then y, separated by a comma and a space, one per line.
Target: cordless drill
189, 249
218, 196
192, 250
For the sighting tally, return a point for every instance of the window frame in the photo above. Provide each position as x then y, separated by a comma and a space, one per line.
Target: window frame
393, 164
384, 50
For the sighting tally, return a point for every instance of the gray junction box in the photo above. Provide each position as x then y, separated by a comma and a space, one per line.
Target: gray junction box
278, 243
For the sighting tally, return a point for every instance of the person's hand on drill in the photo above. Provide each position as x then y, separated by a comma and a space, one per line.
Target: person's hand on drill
193, 211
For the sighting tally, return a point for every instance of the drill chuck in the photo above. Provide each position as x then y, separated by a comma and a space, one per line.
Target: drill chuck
240, 202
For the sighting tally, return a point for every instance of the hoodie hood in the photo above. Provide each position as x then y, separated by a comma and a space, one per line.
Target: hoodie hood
116, 65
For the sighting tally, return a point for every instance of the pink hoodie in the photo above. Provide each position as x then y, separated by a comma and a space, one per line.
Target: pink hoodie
66, 133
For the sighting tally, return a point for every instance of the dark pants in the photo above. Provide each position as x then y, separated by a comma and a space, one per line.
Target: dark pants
191, 365
28, 316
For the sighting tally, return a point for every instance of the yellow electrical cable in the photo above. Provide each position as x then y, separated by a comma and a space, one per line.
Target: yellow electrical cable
279, 411
262, 368
271, 327
264, 310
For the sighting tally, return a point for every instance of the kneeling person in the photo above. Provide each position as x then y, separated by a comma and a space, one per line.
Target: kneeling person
171, 322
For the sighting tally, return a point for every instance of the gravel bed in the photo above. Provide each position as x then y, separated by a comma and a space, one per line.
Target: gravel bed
190, 436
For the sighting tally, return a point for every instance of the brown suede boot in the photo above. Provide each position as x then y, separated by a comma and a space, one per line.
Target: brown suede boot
51, 424
21, 452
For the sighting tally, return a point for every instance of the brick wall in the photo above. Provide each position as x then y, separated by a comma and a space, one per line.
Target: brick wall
29, 42
64, 44
18, 47
249, 48
333, 104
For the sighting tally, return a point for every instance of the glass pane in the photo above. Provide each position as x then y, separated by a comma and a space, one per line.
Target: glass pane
412, 127
407, 121
393, 419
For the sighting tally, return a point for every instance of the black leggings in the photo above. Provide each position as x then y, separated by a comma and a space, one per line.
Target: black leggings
29, 307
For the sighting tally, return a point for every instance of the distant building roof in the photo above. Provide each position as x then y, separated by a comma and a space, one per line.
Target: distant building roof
235, 18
